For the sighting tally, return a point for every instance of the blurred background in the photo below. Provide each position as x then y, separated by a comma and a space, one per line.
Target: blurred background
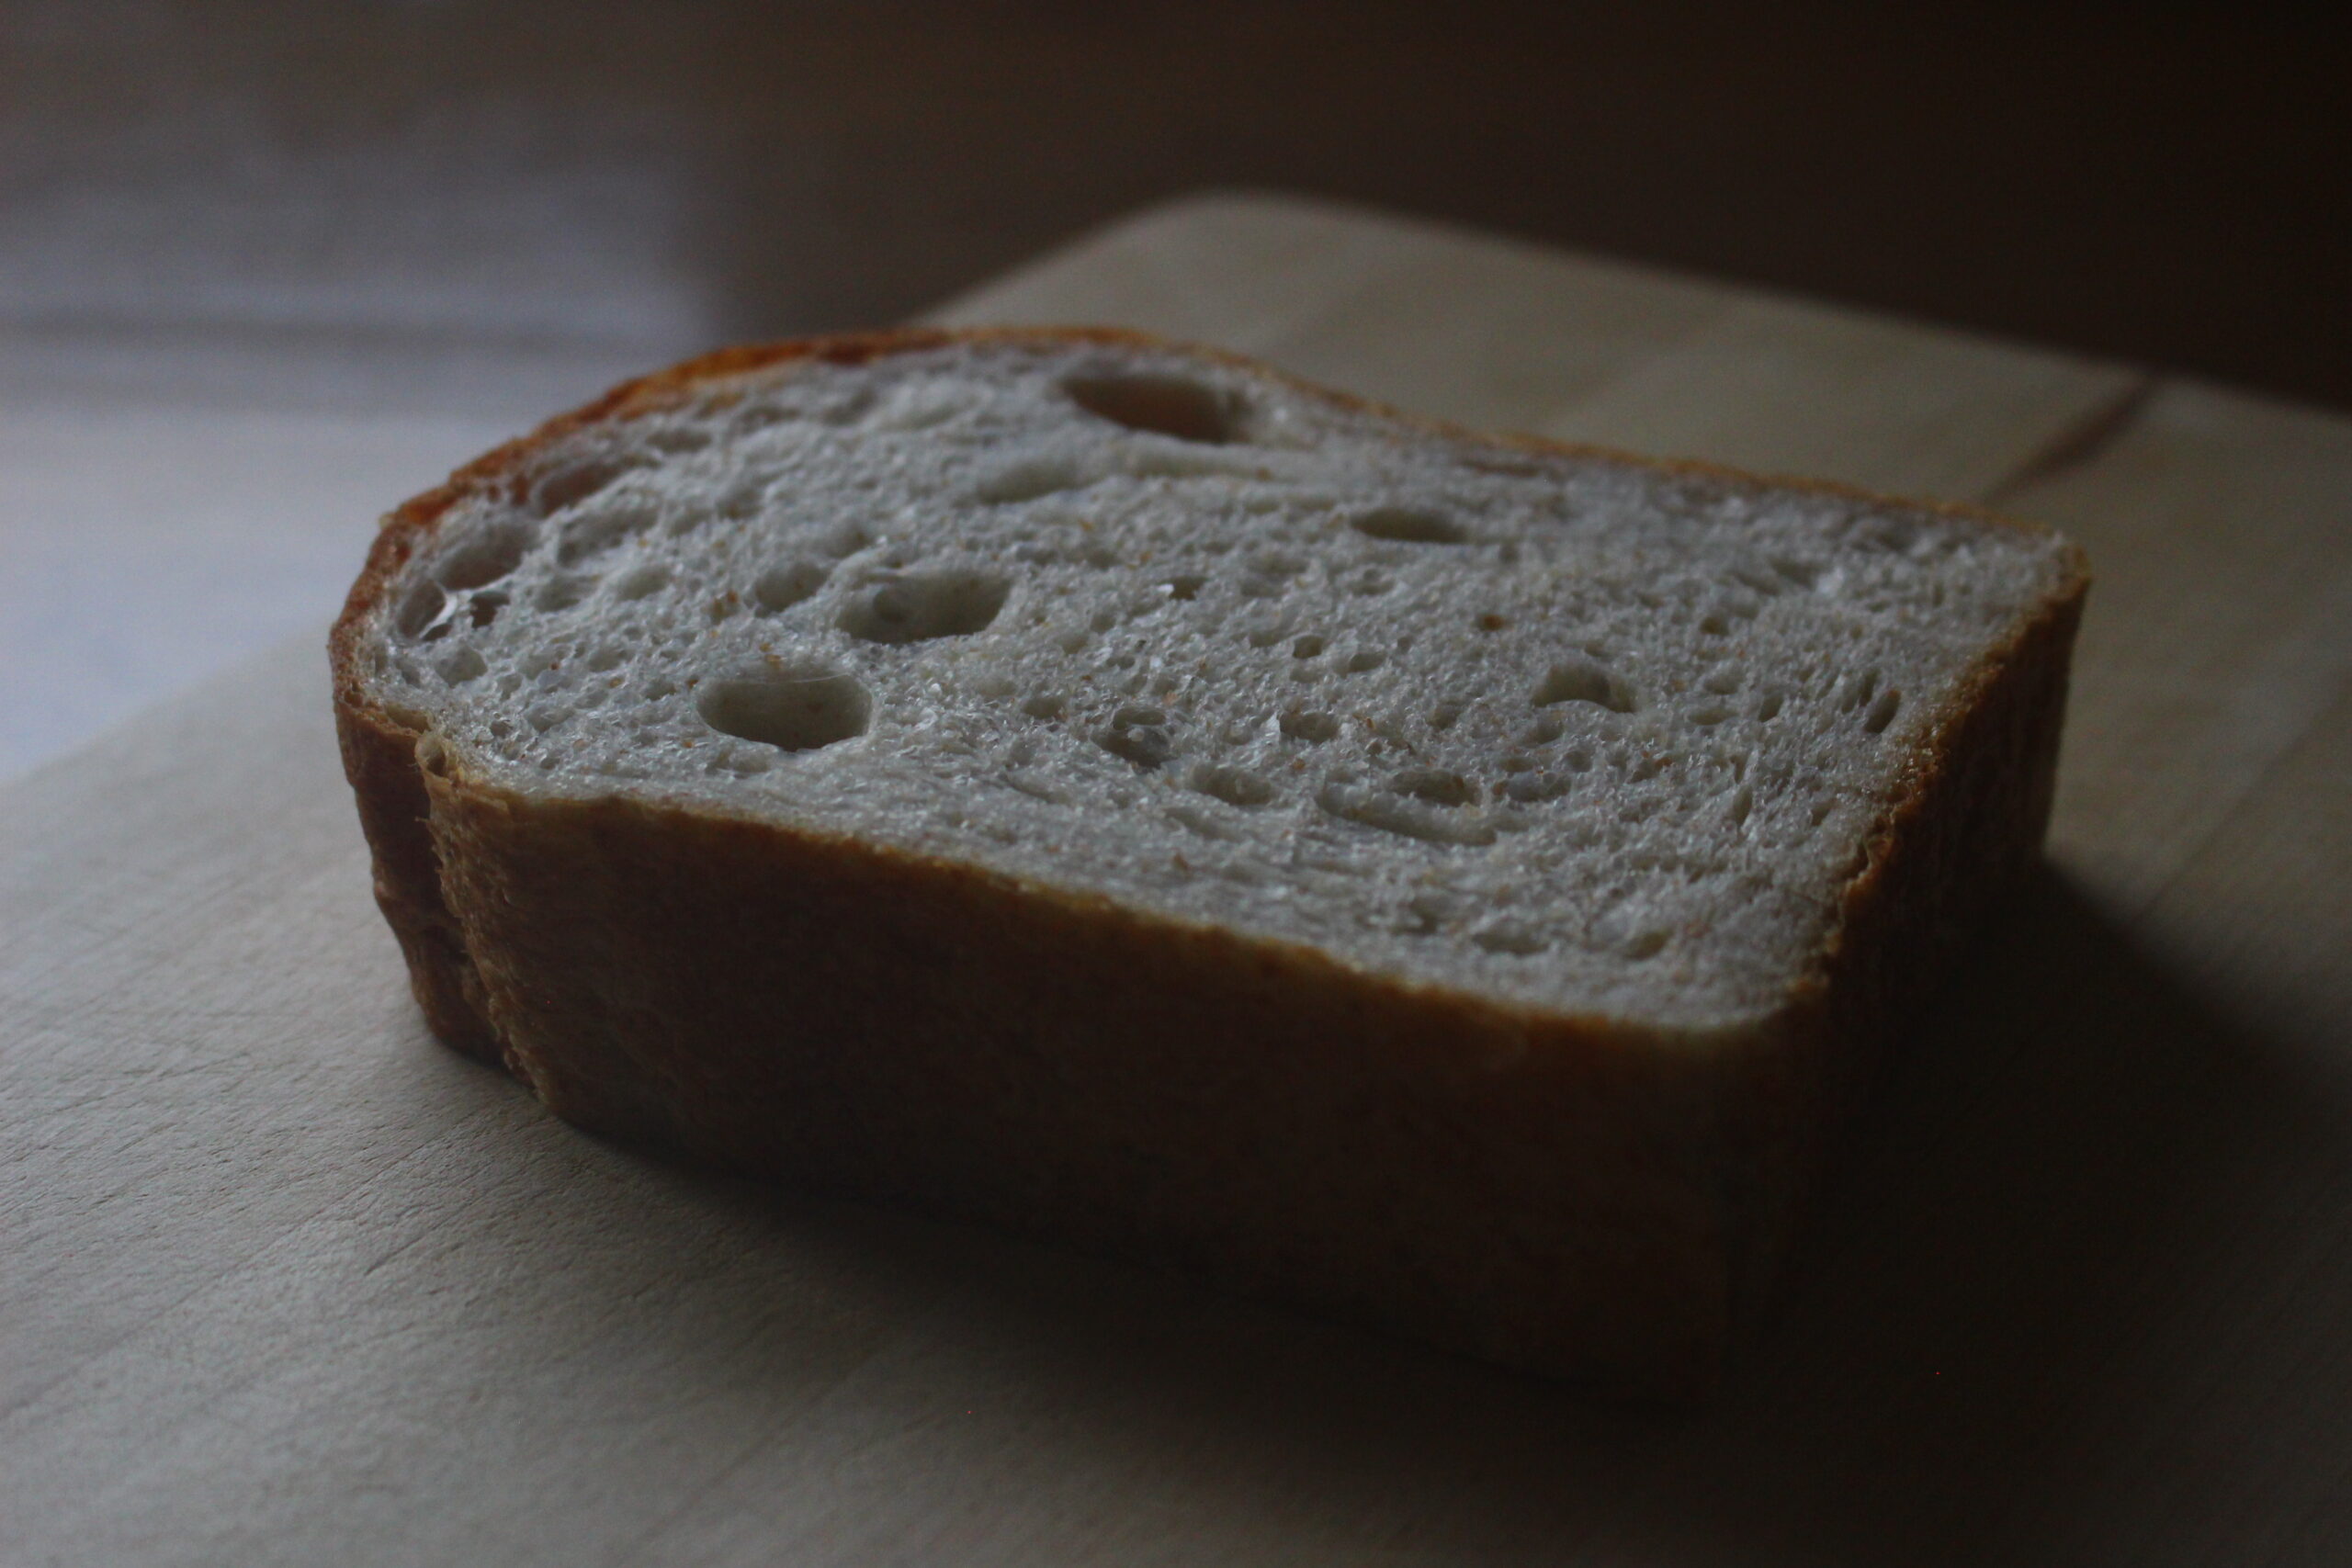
226, 226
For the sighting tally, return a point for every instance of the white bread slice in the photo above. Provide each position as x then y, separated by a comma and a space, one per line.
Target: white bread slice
1114, 790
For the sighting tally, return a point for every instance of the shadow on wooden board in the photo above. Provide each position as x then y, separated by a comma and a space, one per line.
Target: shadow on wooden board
2075, 1192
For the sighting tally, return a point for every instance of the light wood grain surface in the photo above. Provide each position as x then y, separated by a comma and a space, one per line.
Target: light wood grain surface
287, 1283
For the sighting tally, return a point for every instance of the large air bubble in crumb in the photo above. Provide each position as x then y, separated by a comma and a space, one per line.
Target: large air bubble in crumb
1410, 526
783, 586
1140, 735
1582, 680
481, 555
421, 610
800, 708
916, 607
1160, 405
1355, 801
575, 482
1235, 786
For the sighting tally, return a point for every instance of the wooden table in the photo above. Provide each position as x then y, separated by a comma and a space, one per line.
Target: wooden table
287, 1283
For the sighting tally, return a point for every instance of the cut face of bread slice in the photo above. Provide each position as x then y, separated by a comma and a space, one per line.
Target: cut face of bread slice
1211, 677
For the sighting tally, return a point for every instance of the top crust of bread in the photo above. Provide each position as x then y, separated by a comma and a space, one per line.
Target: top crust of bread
1739, 1109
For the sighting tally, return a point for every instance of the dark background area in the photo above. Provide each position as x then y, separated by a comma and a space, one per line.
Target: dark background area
2159, 182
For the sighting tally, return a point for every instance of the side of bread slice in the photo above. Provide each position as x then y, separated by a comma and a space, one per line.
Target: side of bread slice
1116, 792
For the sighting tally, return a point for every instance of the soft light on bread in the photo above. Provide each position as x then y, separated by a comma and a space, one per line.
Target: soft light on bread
1115, 791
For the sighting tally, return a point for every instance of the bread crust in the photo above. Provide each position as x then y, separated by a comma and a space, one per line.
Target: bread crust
1571, 1195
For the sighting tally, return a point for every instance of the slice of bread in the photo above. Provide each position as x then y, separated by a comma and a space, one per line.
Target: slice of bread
1113, 790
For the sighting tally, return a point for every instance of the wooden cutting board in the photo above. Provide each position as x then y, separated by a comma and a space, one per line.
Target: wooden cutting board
286, 1283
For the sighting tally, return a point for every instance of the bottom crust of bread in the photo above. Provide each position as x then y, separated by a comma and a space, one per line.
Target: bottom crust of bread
1571, 1196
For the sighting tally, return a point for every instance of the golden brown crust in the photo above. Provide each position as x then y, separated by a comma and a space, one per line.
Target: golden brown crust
1565, 1195
379, 759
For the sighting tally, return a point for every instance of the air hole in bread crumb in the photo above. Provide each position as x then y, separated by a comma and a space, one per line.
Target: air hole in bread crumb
482, 557
1029, 479
846, 409
1235, 786
1366, 659
1426, 914
1392, 813
563, 592
678, 440
1187, 586
1508, 464
1439, 787
782, 587
460, 665
1530, 788
737, 502
1206, 826
1265, 633
1316, 727
1037, 786
1140, 735
1160, 405
1510, 937
793, 709
918, 606
1883, 711
1410, 526
1584, 681
845, 539
421, 610
572, 485
642, 582
1307, 647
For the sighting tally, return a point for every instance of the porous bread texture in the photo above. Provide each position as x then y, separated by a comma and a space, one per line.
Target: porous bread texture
1573, 733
